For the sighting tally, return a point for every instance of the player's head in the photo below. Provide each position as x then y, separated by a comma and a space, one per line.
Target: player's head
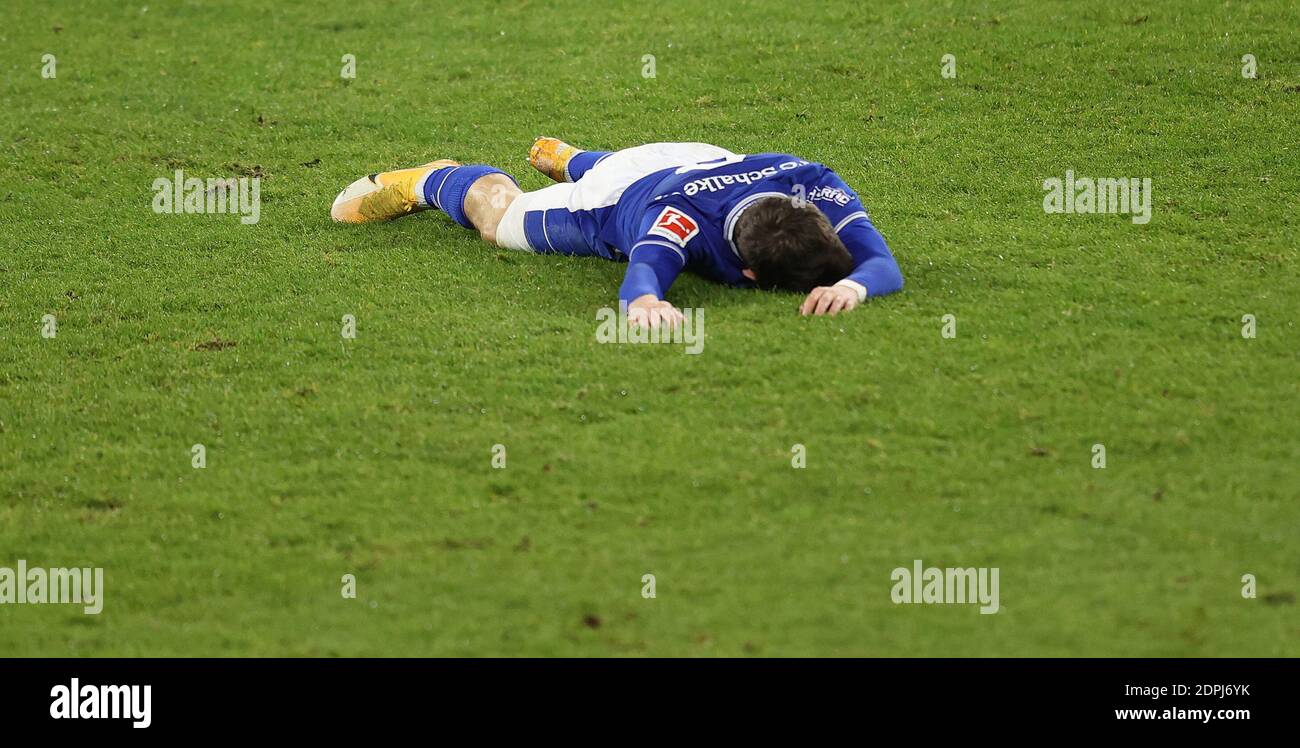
789, 246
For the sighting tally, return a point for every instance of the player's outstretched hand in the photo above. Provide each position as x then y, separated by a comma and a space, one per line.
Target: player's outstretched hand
652, 312
829, 300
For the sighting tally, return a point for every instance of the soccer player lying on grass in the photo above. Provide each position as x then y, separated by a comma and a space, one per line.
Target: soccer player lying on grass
769, 220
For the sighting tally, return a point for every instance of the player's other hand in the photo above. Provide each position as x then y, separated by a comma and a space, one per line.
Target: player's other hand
829, 300
648, 311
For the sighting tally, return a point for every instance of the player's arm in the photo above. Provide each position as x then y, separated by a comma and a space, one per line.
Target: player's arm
875, 271
652, 267
654, 262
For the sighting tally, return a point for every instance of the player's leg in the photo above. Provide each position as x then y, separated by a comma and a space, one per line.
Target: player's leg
553, 220
569, 217
561, 161
564, 218
480, 198
474, 196
651, 157
566, 163
487, 200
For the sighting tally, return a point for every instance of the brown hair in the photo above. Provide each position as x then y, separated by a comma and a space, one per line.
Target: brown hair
790, 247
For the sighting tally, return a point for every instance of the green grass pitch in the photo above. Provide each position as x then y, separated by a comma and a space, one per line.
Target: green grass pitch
372, 456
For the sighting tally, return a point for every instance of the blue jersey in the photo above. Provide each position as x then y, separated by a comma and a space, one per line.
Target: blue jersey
683, 216
684, 219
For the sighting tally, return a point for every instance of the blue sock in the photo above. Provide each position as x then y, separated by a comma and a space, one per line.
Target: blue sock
579, 164
445, 189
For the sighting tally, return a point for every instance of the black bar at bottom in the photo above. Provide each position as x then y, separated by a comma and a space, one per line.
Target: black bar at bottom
237, 698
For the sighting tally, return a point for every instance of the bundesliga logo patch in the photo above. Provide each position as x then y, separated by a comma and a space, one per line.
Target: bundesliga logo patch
675, 225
